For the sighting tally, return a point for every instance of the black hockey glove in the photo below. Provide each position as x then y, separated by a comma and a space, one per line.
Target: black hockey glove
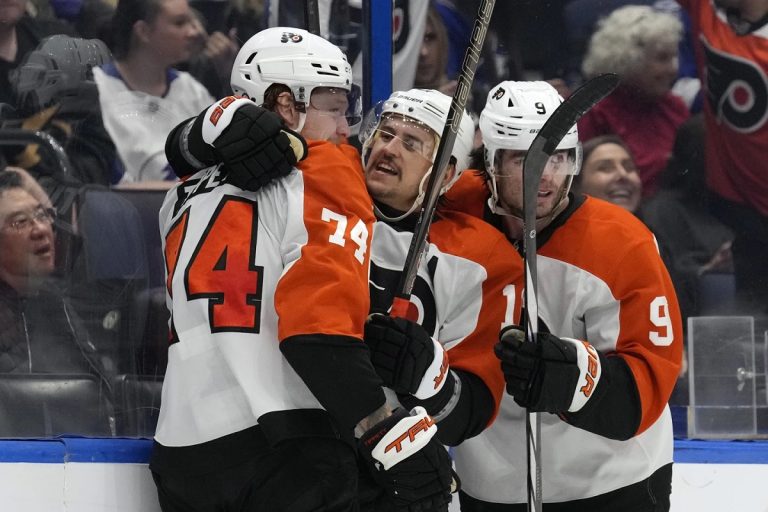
405, 356
405, 459
253, 143
552, 375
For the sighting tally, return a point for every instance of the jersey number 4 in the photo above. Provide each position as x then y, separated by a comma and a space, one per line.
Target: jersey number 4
222, 268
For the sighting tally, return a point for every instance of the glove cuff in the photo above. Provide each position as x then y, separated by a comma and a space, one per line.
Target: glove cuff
434, 378
590, 372
392, 443
219, 116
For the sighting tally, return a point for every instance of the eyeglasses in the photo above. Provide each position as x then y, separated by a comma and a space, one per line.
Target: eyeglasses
23, 221
337, 103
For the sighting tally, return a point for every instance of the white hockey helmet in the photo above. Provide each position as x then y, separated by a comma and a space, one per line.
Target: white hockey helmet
298, 59
513, 115
429, 108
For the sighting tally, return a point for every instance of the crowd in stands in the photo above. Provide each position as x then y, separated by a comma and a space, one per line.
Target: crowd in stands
89, 90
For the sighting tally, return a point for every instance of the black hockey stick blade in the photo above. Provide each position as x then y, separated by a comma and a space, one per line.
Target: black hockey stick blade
401, 303
542, 147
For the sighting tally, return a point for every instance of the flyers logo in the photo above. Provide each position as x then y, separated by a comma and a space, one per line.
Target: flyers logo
737, 90
498, 94
422, 425
219, 110
591, 374
290, 36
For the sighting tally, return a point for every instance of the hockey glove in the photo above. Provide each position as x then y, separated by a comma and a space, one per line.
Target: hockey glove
405, 459
253, 143
554, 374
405, 356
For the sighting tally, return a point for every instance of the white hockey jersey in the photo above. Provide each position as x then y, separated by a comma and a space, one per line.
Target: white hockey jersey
138, 123
246, 270
600, 278
464, 292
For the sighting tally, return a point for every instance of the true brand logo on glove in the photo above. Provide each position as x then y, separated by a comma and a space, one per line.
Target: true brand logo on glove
589, 369
421, 426
403, 439
592, 370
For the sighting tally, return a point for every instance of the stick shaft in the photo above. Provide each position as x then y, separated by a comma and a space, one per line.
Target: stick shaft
444, 149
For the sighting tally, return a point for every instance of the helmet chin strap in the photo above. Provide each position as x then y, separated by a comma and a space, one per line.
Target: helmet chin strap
416, 203
302, 120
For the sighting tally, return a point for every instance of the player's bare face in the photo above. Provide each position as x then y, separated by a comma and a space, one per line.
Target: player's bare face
509, 180
400, 158
26, 236
610, 174
326, 115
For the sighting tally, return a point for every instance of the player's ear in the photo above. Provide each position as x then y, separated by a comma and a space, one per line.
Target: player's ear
450, 172
285, 107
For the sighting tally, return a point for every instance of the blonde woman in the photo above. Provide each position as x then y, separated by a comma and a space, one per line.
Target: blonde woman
641, 45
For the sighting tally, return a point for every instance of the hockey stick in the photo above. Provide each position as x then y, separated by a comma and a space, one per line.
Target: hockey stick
542, 147
312, 17
401, 302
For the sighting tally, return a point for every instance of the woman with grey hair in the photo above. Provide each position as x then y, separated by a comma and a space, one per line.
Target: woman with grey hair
641, 45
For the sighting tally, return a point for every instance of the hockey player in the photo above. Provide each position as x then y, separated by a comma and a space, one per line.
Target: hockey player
464, 291
610, 338
268, 376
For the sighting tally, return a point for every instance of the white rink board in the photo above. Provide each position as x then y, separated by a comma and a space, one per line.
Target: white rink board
128, 487
77, 487
720, 487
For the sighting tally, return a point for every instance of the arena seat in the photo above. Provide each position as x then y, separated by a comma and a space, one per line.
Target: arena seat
137, 399
46, 405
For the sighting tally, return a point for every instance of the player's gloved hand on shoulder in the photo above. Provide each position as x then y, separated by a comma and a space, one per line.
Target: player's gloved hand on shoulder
553, 374
406, 460
405, 356
253, 143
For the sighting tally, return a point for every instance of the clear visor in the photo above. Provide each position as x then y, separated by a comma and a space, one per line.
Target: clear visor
563, 162
336, 102
410, 135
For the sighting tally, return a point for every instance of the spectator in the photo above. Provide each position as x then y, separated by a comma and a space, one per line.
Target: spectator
431, 70
212, 57
90, 18
641, 45
693, 242
40, 332
609, 172
732, 58
141, 96
19, 35
56, 94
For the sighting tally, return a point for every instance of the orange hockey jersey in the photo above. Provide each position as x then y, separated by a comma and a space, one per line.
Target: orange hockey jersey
247, 270
600, 279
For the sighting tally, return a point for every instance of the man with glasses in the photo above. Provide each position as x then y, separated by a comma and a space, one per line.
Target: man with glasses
268, 381
39, 330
